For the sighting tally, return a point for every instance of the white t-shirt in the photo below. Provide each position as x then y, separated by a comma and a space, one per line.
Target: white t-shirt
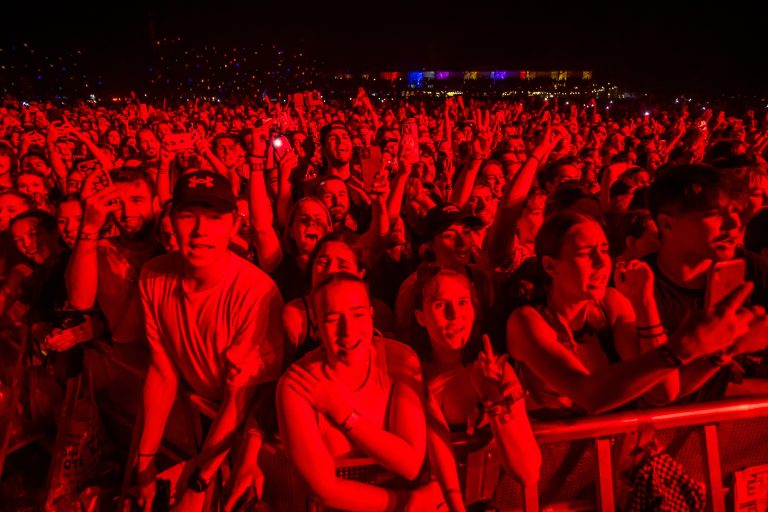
231, 331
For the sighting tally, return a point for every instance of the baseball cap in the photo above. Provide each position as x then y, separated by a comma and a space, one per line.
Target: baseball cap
204, 187
440, 218
333, 125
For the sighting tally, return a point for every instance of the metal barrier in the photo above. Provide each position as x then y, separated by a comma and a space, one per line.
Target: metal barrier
710, 440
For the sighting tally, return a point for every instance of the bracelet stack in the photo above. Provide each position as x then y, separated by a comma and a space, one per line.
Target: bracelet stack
655, 334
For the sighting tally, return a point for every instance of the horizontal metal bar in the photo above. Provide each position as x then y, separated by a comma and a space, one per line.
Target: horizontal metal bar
727, 409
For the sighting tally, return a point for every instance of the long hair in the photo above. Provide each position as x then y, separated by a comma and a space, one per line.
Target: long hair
426, 275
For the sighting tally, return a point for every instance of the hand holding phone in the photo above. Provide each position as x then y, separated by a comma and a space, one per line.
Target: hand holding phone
723, 278
370, 163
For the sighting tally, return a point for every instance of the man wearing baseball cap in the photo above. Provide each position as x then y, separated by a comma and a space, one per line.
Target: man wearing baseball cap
213, 324
448, 231
336, 145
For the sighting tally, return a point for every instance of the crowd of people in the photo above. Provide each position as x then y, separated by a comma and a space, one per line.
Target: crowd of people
349, 279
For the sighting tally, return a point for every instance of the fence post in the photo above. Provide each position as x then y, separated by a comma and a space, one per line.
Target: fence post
714, 472
604, 475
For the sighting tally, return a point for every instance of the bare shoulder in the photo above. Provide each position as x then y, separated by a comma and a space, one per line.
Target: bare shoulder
400, 357
525, 326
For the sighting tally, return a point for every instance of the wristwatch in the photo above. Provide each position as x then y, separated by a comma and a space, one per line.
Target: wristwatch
197, 483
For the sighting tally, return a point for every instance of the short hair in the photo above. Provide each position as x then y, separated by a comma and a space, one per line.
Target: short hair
132, 175
689, 187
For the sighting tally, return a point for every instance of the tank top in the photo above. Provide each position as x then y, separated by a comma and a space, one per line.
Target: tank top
592, 344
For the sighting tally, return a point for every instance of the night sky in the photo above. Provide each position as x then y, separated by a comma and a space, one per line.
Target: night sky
649, 45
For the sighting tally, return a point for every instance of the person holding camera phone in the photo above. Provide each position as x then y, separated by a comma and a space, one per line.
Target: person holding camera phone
699, 220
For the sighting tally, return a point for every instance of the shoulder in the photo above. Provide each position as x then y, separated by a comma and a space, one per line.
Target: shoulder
525, 327
249, 276
163, 265
524, 315
400, 357
616, 304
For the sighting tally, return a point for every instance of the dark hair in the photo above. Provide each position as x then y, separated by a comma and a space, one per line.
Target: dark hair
345, 237
45, 219
336, 278
531, 281
132, 175
633, 223
7, 150
426, 274
67, 198
688, 187
572, 197
21, 195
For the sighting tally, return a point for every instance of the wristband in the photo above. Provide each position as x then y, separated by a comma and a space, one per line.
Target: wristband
147, 454
649, 327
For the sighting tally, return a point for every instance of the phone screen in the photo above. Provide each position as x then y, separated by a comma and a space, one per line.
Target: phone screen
723, 278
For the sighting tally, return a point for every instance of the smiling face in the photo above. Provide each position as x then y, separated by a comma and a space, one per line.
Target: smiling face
447, 312
453, 246
344, 320
335, 196
338, 146
583, 269
203, 234
136, 217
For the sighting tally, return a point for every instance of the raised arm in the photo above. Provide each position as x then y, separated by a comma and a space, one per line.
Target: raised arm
267, 243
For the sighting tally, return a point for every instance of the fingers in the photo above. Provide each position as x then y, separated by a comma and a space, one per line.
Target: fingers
731, 304
487, 347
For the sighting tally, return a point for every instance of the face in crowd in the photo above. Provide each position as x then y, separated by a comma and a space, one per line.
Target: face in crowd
308, 225
335, 196
34, 240
332, 258
11, 205
203, 233
136, 216
344, 322
147, 143
228, 151
447, 311
68, 218
453, 246
338, 146
482, 204
582, 269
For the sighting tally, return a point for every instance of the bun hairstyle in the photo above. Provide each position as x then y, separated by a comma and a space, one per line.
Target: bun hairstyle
426, 275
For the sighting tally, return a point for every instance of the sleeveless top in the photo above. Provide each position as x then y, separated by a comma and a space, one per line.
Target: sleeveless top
371, 399
592, 344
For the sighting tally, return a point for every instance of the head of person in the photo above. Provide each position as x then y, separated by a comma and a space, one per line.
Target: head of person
334, 194
697, 209
572, 197
136, 217
492, 174
204, 218
559, 172
482, 203
35, 235
636, 235
338, 251
7, 160
13, 203
69, 216
112, 138
147, 144
447, 313
342, 318
35, 162
33, 184
336, 143
572, 250
531, 215
308, 222
81, 169
449, 235
227, 149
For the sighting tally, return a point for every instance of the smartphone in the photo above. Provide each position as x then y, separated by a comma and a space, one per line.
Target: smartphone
723, 278
370, 163
298, 100
180, 141
410, 138
281, 145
